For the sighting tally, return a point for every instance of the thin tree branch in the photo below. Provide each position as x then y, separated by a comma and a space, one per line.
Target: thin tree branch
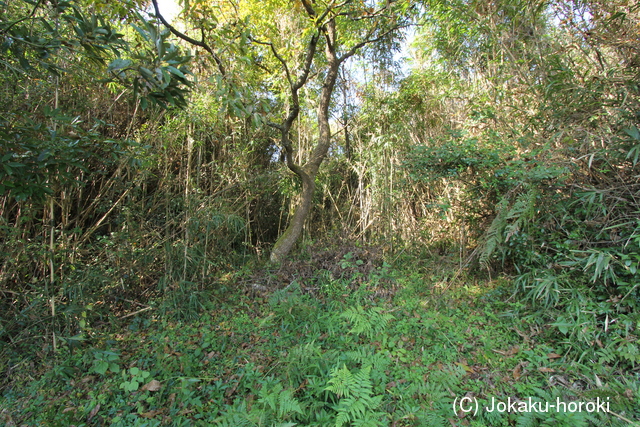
311, 51
93, 228
31, 15
367, 41
278, 57
142, 310
309, 8
275, 125
188, 39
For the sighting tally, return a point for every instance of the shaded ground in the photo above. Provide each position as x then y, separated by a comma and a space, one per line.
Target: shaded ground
338, 343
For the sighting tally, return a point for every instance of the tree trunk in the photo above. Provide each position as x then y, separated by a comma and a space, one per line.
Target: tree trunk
294, 230
309, 171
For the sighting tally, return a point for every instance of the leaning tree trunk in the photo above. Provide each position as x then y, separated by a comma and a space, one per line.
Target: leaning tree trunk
309, 171
294, 230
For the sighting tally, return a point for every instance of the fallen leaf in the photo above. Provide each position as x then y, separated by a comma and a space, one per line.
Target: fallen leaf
93, 412
150, 414
152, 385
517, 372
88, 378
545, 370
553, 356
466, 367
526, 337
559, 379
511, 352
598, 382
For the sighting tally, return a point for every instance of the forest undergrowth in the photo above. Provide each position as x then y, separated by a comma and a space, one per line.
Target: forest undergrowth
363, 341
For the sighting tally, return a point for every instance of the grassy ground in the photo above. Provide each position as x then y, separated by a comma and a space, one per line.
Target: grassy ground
395, 348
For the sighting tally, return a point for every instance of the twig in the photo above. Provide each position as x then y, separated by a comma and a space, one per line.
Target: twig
633, 423
136, 312
191, 40
90, 231
31, 15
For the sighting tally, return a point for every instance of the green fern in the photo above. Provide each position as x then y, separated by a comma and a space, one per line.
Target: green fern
236, 416
342, 381
494, 418
449, 378
288, 404
370, 323
527, 419
362, 354
493, 236
276, 400
434, 392
433, 419
366, 356
369, 419
509, 220
357, 405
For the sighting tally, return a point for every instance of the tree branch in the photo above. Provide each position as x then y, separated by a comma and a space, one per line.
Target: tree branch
188, 39
308, 8
278, 57
367, 41
31, 15
311, 51
275, 125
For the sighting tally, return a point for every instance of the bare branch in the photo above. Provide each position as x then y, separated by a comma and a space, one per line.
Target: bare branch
311, 51
368, 40
328, 10
278, 57
275, 125
309, 8
188, 39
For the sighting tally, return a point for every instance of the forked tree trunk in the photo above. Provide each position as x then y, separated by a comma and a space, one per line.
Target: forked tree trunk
309, 171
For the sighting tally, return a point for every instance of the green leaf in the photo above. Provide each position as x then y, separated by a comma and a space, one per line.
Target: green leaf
146, 73
562, 325
119, 64
174, 70
100, 367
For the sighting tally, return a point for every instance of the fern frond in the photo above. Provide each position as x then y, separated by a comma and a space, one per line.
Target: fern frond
358, 404
288, 404
269, 394
509, 221
342, 382
493, 236
369, 322
435, 420
370, 419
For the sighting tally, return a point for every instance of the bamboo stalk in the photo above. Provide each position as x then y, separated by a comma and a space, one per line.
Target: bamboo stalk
52, 278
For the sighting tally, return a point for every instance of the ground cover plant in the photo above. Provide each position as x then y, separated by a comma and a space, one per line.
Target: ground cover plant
343, 358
